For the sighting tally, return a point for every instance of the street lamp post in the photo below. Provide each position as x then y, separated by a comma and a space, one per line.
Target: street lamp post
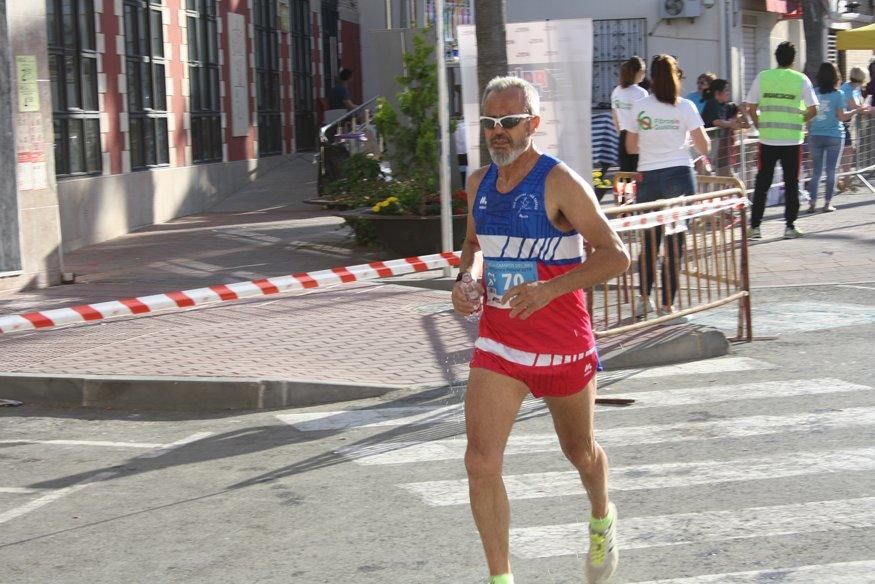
444, 125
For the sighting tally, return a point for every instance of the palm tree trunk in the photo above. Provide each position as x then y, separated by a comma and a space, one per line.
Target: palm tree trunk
489, 17
814, 13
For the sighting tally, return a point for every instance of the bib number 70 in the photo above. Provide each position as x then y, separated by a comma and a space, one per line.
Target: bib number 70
512, 279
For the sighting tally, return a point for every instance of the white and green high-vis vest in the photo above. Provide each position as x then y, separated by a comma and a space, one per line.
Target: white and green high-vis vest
782, 111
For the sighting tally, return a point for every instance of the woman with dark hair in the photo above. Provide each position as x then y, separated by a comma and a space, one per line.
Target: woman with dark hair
722, 114
869, 88
826, 133
663, 125
624, 95
700, 96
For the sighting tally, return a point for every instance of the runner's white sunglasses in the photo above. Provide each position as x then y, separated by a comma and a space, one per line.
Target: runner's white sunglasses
506, 122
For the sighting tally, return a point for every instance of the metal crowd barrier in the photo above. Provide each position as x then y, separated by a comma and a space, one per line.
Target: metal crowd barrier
707, 252
735, 153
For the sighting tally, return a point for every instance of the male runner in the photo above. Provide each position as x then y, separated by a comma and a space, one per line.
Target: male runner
528, 217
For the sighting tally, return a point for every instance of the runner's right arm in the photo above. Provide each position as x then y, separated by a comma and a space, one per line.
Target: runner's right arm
472, 259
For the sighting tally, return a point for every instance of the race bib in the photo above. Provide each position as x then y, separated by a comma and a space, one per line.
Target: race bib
502, 275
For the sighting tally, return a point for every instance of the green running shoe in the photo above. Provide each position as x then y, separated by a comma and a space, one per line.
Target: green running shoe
604, 555
792, 233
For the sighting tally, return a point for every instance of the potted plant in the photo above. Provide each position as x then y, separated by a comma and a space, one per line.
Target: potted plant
401, 209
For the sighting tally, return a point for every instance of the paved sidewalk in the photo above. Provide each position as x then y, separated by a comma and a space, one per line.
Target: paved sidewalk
838, 247
345, 342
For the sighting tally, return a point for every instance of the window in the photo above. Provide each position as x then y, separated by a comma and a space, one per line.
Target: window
302, 76
203, 75
615, 41
267, 78
73, 73
147, 95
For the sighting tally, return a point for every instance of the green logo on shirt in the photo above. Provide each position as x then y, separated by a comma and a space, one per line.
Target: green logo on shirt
644, 121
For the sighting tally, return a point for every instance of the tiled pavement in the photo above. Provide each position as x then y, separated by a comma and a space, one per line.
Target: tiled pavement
838, 247
394, 335
369, 333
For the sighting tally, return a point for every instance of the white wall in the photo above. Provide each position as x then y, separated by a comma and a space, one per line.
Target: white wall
372, 16
95, 209
695, 43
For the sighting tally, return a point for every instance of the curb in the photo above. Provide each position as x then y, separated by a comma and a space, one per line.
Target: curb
181, 393
671, 347
223, 393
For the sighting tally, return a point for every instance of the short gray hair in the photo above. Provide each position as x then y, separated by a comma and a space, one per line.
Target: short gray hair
531, 98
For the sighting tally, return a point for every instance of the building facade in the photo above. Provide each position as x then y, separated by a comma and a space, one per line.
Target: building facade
145, 110
733, 38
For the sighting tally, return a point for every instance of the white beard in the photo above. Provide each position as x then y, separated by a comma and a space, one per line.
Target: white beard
506, 157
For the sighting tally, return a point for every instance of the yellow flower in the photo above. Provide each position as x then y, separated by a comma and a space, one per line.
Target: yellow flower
376, 208
607, 182
596, 173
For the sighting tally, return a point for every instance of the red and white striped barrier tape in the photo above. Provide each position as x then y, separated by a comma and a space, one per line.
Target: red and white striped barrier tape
224, 292
305, 280
675, 214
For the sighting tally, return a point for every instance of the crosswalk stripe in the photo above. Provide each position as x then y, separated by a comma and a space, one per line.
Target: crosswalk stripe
702, 367
454, 449
20, 490
862, 572
420, 415
710, 526
371, 418
658, 476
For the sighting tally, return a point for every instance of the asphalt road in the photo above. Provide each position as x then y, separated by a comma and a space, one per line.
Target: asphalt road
762, 462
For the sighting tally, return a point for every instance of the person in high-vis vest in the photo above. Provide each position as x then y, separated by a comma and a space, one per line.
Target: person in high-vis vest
780, 102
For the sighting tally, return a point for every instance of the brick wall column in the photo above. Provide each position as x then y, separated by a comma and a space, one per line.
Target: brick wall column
238, 147
111, 83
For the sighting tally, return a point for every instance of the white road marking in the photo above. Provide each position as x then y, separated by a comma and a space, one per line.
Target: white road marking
52, 496
743, 427
162, 450
85, 443
20, 491
790, 317
372, 418
703, 367
658, 476
871, 288
379, 417
862, 572
688, 528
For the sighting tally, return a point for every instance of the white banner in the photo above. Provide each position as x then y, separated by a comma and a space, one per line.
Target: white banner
556, 56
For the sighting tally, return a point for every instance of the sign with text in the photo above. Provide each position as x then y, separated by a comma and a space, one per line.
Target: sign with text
28, 90
556, 57
239, 74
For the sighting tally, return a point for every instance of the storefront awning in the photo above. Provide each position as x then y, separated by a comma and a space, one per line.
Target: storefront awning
856, 39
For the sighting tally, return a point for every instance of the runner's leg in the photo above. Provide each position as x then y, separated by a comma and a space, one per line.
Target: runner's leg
491, 405
573, 419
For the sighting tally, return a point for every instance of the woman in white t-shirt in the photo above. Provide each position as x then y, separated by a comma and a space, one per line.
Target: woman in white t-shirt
624, 95
661, 126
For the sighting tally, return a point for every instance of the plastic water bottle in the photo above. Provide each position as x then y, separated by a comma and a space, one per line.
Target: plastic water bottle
630, 192
473, 293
